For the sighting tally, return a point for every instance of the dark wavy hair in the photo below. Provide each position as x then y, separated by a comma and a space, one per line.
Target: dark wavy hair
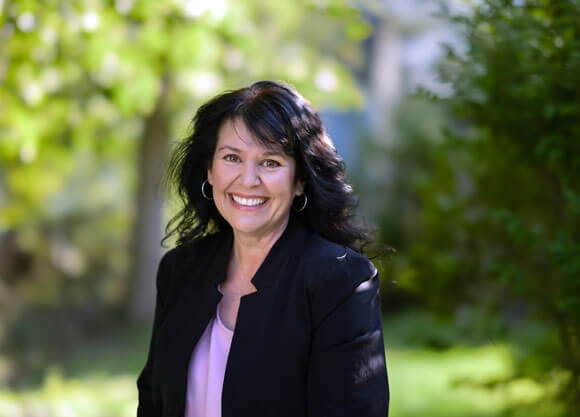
277, 116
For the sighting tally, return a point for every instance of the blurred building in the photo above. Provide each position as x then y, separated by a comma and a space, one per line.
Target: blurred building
402, 56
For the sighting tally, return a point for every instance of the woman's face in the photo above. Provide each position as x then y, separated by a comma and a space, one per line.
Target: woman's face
253, 185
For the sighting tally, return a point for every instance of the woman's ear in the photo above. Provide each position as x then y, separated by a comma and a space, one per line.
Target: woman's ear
299, 190
209, 176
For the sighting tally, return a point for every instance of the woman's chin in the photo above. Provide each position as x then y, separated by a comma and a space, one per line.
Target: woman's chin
257, 229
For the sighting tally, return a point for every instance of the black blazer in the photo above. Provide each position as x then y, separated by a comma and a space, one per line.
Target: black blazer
309, 342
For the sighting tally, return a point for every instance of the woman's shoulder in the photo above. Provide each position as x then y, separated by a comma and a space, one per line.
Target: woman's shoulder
193, 250
322, 256
332, 272
184, 257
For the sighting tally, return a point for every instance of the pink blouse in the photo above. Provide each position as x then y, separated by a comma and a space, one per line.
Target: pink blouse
207, 367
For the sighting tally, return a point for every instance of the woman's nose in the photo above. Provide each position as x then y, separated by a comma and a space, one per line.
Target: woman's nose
250, 175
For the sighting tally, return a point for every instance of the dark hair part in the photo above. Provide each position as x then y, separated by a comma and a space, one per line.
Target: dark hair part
277, 116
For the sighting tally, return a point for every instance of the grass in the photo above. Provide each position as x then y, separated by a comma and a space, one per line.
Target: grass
98, 380
60, 396
463, 382
450, 369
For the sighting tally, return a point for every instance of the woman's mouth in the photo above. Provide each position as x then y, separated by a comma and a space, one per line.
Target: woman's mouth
248, 202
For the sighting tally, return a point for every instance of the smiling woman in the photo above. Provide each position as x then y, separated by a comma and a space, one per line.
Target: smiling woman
265, 307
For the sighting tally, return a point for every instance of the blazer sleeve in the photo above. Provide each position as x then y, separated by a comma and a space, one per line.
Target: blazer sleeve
147, 406
347, 374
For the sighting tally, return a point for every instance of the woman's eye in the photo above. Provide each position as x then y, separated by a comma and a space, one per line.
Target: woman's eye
270, 163
231, 158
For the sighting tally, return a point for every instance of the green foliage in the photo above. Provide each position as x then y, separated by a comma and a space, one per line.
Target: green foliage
494, 203
518, 83
80, 76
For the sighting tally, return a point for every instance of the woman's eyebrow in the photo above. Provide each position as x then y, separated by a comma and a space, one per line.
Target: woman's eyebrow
231, 148
273, 153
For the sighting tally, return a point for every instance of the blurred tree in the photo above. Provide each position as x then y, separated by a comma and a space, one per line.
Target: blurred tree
92, 94
497, 199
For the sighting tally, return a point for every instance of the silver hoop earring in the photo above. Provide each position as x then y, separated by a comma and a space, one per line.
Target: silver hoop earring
203, 193
298, 210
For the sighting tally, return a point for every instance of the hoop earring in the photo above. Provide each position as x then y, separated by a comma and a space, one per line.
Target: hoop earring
298, 210
203, 193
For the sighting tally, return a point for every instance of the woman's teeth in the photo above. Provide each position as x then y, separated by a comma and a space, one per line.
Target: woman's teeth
248, 201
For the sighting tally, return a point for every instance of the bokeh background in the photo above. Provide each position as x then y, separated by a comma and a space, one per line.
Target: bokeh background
459, 122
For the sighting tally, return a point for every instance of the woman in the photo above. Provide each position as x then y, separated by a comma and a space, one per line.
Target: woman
264, 308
